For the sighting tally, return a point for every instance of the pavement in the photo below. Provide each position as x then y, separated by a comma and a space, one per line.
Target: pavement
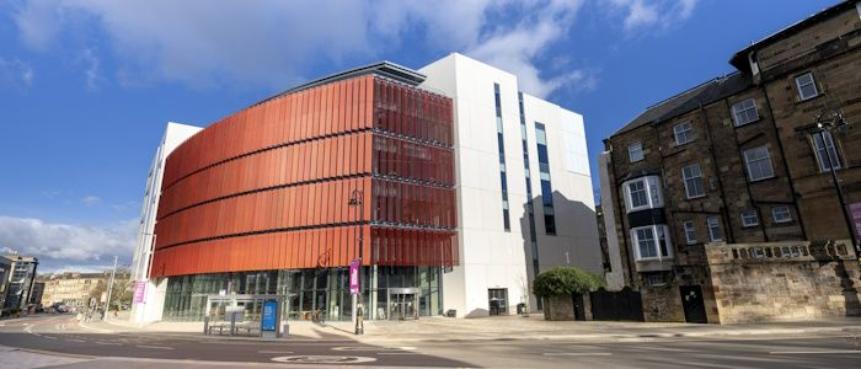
60, 342
504, 328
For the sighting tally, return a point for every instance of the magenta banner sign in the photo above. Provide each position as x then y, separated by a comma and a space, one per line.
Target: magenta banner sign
140, 292
354, 277
855, 210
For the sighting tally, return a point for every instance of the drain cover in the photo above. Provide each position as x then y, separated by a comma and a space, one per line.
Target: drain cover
323, 359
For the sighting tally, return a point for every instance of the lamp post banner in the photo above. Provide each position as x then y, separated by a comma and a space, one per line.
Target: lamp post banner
140, 292
855, 210
354, 277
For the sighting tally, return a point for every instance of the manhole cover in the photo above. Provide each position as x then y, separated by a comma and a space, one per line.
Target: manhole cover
323, 359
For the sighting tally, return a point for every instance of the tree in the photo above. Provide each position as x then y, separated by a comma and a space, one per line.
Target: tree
564, 281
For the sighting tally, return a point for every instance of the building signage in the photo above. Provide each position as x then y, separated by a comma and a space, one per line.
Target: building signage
354, 277
268, 320
855, 210
140, 292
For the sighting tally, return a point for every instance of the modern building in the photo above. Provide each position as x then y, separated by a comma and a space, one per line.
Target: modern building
734, 200
524, 189
38, 291
394, 167
150, 298
19, 277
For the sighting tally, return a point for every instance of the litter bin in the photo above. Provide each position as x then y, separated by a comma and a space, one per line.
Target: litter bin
521, 309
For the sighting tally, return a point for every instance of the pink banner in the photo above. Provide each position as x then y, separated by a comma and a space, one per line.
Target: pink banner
140, 292
354, 277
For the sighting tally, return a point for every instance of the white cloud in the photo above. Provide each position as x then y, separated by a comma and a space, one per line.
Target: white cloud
272, 43
92, 67
663, 14
59, 245
15, 74
91, 200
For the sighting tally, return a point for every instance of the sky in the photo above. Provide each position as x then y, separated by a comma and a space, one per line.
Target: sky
87, 86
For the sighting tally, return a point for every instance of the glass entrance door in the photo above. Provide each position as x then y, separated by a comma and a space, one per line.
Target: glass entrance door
403, 304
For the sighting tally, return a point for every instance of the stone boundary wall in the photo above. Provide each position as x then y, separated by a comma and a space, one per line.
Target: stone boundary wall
784, 281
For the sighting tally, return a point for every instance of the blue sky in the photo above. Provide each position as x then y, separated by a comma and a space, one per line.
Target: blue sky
86, 86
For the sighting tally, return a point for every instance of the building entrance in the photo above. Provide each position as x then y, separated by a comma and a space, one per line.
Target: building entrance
402, 303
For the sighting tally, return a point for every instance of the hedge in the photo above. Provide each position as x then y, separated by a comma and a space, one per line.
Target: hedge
563, 281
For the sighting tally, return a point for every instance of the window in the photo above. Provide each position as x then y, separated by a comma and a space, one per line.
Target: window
806, 86
506, 220
690, 232
643, 193
637, 193
635, 152
749, 218
744, 112
693, 177
652, 242
683, 133
544, 174
713, 223
823, 143
758, 163
781, 214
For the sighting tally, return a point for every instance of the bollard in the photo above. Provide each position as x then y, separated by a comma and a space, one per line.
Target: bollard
205, 325
285, 329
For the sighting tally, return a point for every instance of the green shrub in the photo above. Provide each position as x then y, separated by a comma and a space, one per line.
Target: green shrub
562, 281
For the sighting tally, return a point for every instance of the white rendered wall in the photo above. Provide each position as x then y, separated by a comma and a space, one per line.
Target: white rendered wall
616, 277
490, 257
174, 135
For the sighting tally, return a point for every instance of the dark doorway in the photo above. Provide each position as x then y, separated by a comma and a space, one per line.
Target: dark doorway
626, 304
692, 301
497, 299
579, 307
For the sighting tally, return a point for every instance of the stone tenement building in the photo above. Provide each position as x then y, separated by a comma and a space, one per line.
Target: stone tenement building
719, 202
72, 289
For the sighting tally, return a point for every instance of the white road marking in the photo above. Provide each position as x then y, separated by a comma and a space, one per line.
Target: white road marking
372, 348
577, 354
28, 328
75, 340
108, 343
815, 352
274, 352
395, 353
155, 347
49, 337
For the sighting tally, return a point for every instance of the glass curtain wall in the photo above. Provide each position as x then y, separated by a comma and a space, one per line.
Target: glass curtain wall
305, 292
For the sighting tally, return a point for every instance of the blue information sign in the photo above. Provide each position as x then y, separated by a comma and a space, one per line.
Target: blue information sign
267, 322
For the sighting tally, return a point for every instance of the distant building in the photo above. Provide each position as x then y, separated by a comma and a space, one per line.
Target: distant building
73, 289
720, 203
18, 277
38, 291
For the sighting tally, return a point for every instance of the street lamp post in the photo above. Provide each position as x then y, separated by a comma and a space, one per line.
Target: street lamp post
829, 124
356, 201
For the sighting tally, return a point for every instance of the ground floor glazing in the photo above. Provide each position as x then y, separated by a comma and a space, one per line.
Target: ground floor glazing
324, 293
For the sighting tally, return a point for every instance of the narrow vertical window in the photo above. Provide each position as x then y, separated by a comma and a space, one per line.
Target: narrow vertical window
693, 178
506, 217
690, 232
713, 223
826, 151
635, 152
530, 209
544, 173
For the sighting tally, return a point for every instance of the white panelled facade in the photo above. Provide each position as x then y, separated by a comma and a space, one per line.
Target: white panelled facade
174, 135
495, 261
